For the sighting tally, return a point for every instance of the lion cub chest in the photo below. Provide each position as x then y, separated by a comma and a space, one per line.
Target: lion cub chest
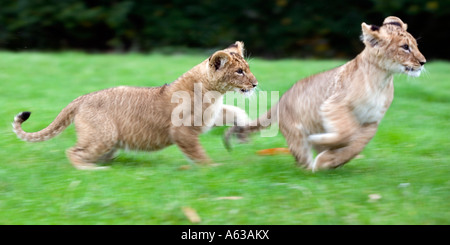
373, 105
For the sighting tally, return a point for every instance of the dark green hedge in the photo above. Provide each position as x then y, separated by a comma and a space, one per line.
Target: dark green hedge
276, 28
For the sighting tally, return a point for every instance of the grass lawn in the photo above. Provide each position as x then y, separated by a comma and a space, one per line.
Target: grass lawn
407, 164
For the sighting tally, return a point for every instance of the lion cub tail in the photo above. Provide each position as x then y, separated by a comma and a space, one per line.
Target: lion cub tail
61, 122
242, 132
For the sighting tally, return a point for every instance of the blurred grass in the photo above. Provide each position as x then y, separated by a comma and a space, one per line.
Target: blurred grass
407, 163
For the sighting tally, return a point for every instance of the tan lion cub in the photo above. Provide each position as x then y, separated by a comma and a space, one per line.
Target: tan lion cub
337, 112
142, 118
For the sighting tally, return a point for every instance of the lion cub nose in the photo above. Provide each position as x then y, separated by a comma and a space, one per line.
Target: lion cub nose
422, 63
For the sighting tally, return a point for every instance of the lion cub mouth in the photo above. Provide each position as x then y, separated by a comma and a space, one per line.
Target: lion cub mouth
410, 71
245, 91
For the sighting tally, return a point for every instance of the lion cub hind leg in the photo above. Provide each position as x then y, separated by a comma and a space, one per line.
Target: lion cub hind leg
96, 142
82, 159
108, 156
333, 158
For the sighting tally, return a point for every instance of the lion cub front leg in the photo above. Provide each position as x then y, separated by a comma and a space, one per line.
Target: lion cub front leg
231, 116
186, 138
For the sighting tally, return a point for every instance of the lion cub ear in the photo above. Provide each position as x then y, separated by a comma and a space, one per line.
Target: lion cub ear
218, 60
393, 20
238, 46
370, 34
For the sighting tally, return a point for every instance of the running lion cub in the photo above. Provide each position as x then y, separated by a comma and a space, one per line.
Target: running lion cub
142, 118
337, 112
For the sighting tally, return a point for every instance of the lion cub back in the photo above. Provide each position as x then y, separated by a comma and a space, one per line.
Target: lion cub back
135, 114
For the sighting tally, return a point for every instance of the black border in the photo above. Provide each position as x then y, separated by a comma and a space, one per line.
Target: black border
160, 234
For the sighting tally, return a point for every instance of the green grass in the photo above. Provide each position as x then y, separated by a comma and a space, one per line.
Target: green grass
407, 162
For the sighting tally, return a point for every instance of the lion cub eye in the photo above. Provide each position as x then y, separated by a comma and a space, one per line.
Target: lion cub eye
240, 71
405, 46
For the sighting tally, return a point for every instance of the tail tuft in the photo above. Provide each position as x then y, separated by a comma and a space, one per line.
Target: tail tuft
23, 116
61, 122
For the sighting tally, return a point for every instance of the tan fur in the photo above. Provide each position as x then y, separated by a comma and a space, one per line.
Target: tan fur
140, 118
337, 112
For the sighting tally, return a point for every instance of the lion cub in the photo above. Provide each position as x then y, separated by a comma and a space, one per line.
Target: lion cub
142, 118
337, 112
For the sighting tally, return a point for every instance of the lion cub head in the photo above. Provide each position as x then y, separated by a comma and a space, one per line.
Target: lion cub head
393, 47
230, 72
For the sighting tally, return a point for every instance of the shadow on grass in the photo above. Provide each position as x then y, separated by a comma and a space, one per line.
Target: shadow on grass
132, 160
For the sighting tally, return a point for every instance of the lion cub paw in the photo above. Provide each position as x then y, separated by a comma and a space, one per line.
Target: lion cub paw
90, 166
211, 164
322, 161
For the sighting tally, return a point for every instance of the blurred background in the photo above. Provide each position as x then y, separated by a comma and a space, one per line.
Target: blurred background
401, 177
270, 29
